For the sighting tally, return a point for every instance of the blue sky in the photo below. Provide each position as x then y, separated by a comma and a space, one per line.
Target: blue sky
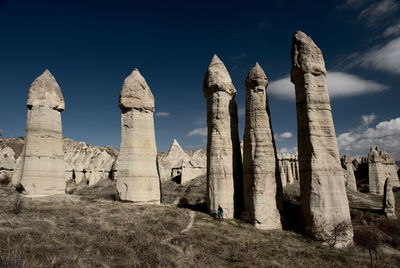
91, 46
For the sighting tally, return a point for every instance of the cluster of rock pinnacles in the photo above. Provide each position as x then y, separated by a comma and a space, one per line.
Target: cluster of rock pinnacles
249, 190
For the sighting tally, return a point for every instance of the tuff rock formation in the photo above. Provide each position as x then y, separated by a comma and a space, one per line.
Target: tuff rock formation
137, 176
87, 164
288, 168
224, 165
350, 178
388, 200
323, 194
42, 160
181, 166
381, 166
259, 156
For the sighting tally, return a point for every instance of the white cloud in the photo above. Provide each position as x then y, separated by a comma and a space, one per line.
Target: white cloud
385, 58
162, 114
392, 30
284, 135
378, 11
198, 132
385, 134
340, 85
368, 119
286, 150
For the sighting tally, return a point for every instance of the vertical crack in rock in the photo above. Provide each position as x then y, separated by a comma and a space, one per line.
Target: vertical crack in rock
137, 176
224, 166
42, 168
322, 187
259, 156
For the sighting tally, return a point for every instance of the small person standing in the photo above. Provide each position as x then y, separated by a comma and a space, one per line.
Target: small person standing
220, 213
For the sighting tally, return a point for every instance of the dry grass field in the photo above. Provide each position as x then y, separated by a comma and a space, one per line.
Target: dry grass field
78, 231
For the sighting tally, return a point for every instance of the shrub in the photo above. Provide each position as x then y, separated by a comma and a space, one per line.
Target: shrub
17, 204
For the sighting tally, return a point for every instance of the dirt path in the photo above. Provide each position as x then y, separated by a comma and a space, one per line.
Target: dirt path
190, 225
181, 254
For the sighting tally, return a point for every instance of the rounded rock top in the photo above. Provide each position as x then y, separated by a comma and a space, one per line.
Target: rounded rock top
135, 93
45, 92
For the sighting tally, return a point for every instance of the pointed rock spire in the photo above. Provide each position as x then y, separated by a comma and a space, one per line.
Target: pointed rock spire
217, 78
135, 93
175, 147
45, 92
259, 156
256, 77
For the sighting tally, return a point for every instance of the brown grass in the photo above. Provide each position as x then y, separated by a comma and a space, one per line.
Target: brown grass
106, 233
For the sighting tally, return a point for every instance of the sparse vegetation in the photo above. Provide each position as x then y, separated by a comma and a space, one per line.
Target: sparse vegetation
17, 204
99, 233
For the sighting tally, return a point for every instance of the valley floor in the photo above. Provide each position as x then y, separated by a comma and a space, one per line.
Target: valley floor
72, 231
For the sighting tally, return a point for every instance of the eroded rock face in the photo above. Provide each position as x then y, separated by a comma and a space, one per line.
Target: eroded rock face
389, 200
288, 168
381, 166
42, 159
137, 176
350, 178
224, 165
322, 188
259, 156
87, 164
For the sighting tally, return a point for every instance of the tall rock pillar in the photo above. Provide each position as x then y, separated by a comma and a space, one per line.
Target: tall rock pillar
347, 164
42, 168
224, 165
259, 156
137, 176
322, 187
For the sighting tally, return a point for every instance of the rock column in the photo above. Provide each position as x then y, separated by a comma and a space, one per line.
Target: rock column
324, 201
224, 165
347, 164
42, 169
259, 156
389, 200
137, 176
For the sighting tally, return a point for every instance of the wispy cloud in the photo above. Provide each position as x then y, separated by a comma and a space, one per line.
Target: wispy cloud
202, 132
284, 135
340, 85
238, 57
162, 114
378, 11
393, 30
384, 58
385, 134
353, 4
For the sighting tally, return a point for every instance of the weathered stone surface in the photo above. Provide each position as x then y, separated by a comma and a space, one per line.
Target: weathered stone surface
87, 163
42, 159
7, 164
323, 193
181, 166
389, 200
288, 168
349, 176
259, 156
45, 92
381, 166
137, 176
224, 165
